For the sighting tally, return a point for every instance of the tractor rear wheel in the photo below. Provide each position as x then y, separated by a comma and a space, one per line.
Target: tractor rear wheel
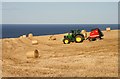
66, 41
79, 38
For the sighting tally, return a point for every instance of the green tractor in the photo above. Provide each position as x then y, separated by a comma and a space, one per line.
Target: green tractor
73, 36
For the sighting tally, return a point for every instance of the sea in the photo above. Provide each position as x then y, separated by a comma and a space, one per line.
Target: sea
16, 30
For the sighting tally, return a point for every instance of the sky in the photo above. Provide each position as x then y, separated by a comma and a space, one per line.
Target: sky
69, 12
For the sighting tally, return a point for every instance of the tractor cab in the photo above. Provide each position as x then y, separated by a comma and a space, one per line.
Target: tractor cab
75, 32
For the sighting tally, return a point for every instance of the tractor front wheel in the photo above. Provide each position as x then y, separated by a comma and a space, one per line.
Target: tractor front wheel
66, 41
79, 39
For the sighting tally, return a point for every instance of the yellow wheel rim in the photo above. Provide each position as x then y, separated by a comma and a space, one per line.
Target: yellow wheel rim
66, 41
78, 39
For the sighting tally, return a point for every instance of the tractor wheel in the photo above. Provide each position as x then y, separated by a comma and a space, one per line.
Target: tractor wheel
100, 38
91, 39
66, 41
79, 39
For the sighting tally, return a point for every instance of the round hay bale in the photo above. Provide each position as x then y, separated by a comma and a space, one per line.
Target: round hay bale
108, 29
34, 42
21, 37
52, 37
32, 54
85, 35
24, 36
30, 35
84, 32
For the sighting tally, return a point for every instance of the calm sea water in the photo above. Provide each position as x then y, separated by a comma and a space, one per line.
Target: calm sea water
16, 30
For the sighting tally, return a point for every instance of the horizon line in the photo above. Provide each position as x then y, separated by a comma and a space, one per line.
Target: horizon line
59, 23
60, 1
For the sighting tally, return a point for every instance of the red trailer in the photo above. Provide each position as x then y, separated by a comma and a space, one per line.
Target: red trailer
95, 34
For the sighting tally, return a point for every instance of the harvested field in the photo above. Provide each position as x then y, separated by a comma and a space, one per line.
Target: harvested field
88, 59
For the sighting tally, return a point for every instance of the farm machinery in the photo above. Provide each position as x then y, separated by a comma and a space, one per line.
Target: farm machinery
95, 34
74, 36
78, 37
